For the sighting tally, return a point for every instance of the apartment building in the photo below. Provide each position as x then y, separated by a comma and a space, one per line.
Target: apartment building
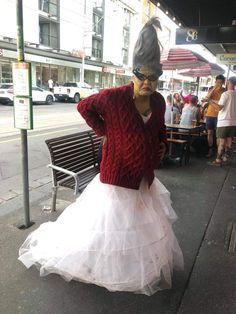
67, 38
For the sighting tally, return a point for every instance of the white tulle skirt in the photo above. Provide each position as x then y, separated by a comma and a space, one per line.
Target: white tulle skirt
111, 236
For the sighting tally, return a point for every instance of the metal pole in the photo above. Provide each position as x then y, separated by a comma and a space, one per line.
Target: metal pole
24, 144
198, 83
82, 68
227, 76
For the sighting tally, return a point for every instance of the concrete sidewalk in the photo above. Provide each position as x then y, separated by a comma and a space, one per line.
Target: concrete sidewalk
204, 198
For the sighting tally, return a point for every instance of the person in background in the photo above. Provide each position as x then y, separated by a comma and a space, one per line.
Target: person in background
226, 124
186, 99
118, 234
170, 109
50, 85
191, 112
178, 102
215, 93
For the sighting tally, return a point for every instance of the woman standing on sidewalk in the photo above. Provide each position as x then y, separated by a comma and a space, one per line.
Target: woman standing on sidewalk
118, 233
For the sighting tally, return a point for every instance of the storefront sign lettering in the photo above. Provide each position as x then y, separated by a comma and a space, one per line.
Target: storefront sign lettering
226, 58
205, 35
78, 53
120, 71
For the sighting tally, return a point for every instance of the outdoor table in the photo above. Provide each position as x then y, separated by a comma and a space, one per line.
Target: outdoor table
190, 129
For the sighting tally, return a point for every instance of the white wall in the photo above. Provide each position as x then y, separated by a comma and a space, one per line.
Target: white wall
75, 25
8, 18
113, 30
30, 19
112, 33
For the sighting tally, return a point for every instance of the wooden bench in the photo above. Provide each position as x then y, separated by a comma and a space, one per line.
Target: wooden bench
184, 152
73, 161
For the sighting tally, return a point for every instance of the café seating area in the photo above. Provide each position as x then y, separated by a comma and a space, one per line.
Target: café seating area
181, 138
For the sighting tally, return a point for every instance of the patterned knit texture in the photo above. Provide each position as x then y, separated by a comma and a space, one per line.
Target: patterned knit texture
130, 151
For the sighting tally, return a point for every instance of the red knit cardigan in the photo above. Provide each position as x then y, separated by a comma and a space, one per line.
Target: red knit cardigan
130, 151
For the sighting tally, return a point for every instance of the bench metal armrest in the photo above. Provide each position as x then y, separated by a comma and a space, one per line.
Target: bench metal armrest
69, 173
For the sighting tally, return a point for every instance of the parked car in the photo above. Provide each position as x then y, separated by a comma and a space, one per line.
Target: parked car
39, 95
73, 91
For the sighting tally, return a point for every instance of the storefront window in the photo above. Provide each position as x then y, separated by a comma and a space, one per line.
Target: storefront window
72, 75
92, 78
6, 72
122, 80
54, 74
61, 75
45, 75
107, 80
38, 75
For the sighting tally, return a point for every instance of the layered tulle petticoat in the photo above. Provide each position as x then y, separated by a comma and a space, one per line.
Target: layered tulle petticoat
111, 236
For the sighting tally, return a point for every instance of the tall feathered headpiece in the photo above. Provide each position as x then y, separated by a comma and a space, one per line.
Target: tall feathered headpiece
147, 49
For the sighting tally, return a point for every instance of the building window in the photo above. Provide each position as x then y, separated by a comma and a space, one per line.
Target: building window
125, 56
97, 24
126, 41
97, 3
97, 48
125, 37
48, 33
5, 72
127, 17
49, 6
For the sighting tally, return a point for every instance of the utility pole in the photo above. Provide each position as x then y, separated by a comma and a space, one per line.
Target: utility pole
21, 104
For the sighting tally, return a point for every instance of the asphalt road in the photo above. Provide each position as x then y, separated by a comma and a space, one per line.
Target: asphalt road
44, 117
49, 121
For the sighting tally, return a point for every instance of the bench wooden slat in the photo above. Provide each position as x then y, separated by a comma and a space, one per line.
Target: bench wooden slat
57, 150
72, 152
75, 169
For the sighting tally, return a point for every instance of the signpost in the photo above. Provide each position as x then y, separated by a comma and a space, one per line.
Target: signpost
23, 108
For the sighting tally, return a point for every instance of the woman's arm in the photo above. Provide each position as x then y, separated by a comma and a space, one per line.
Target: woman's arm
216, 104
162, 132
92, 109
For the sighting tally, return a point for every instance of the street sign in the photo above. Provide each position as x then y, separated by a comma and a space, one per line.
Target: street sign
205, 35
23, 113
23, 109
226, 58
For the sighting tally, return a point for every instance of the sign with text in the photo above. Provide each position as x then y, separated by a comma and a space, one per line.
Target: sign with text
226, 58
23, 109
23, 113
205, 35
21, 77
